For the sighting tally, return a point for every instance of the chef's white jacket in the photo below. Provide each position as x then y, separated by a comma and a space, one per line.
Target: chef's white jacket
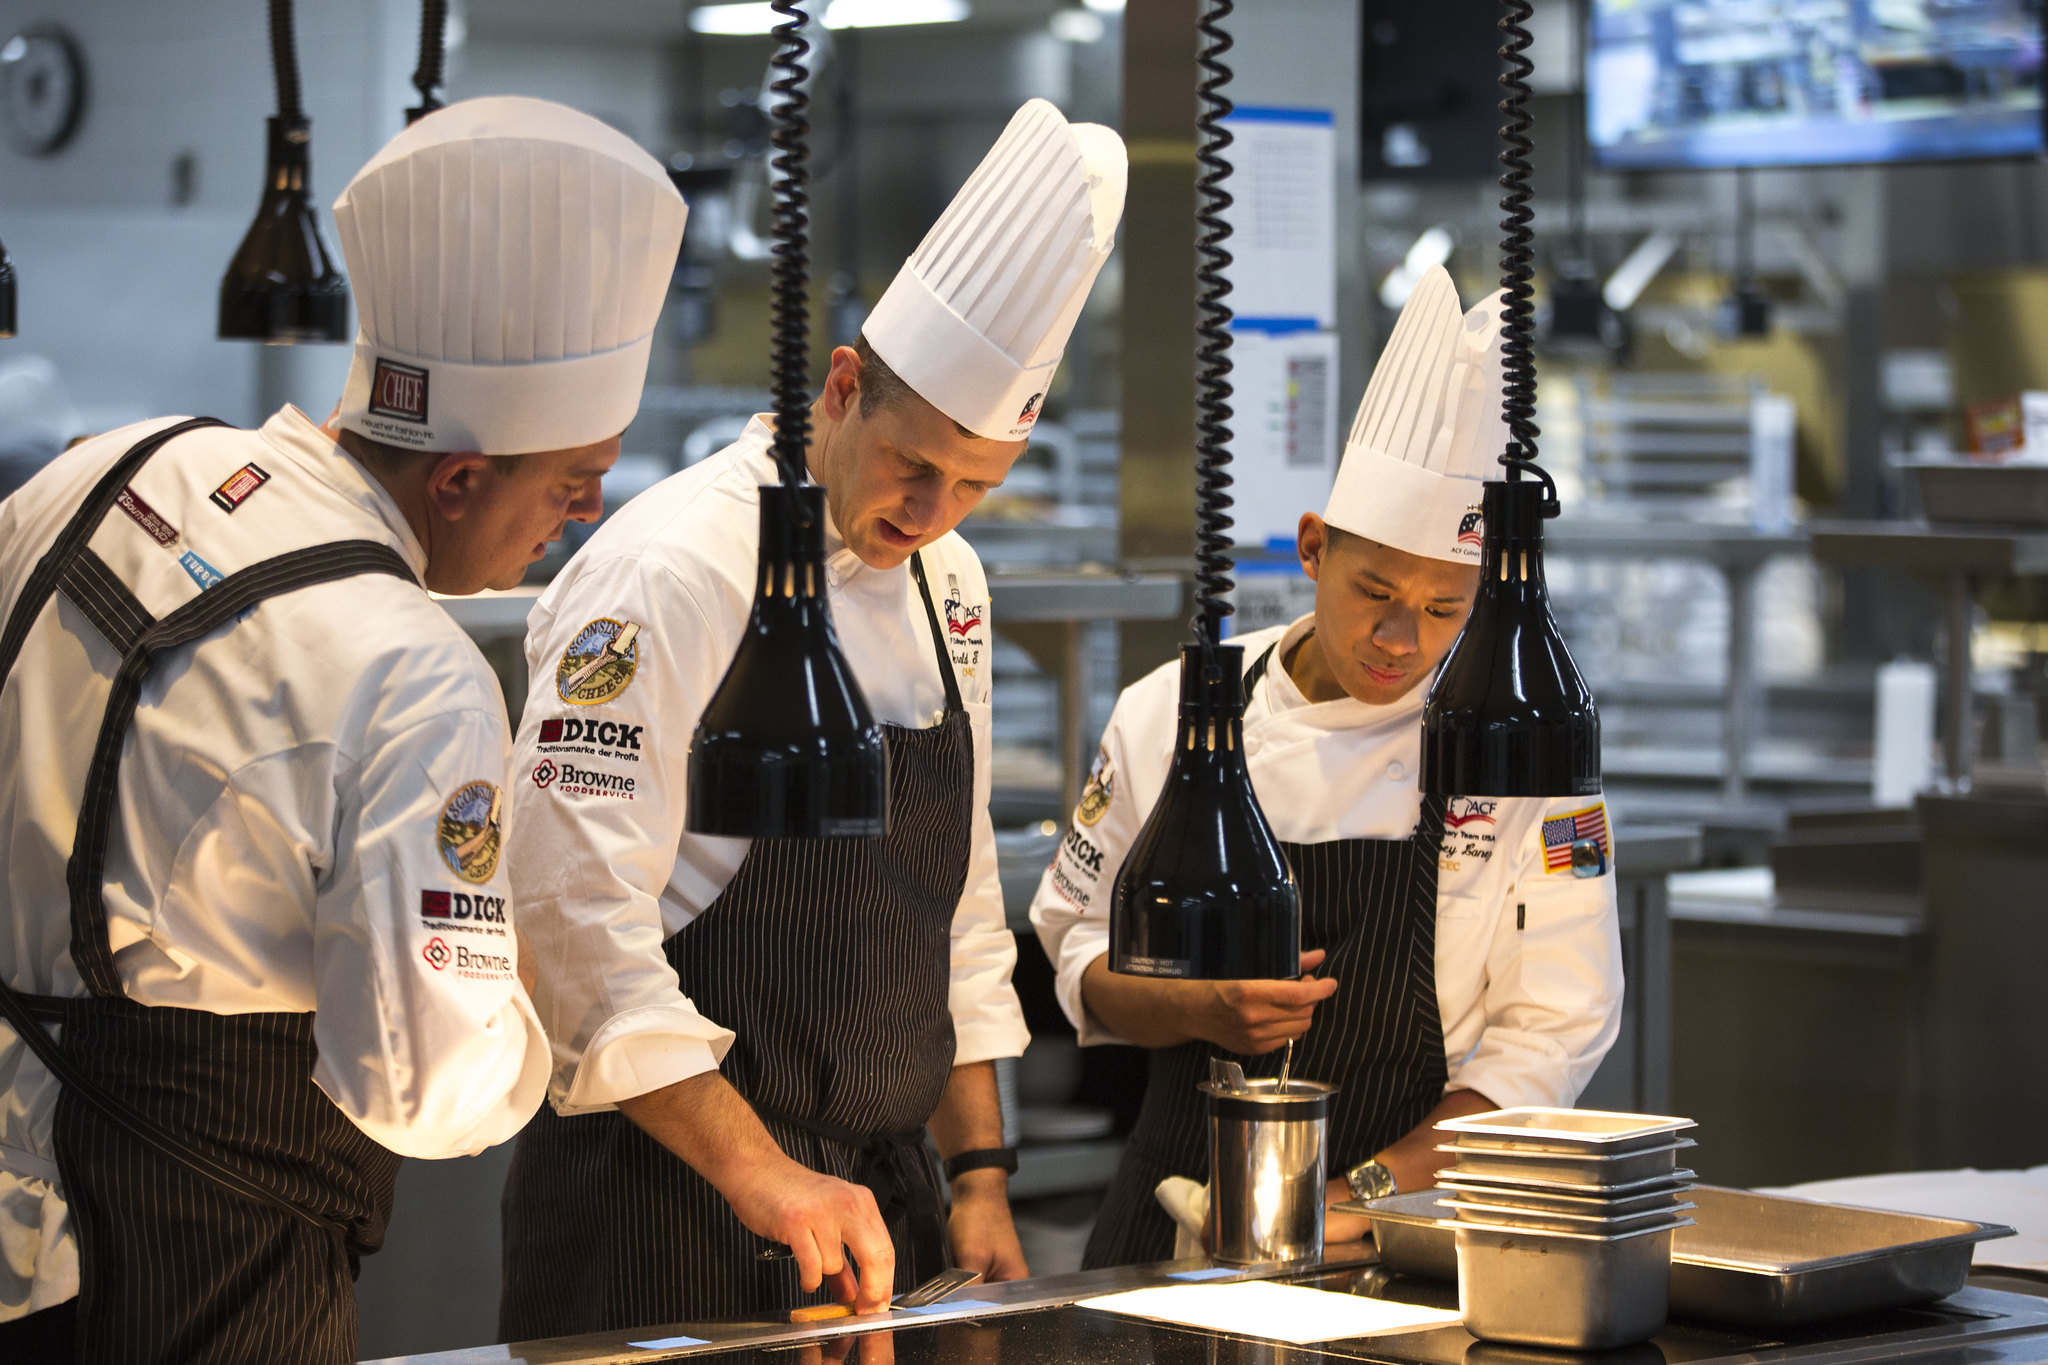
1528, 961
280, 811
603, 869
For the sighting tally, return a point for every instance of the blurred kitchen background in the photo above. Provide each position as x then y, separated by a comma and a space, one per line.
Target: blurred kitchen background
1792, 409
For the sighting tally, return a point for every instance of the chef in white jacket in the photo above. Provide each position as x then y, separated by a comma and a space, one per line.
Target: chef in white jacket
752, 1036
258, 930
1459, 957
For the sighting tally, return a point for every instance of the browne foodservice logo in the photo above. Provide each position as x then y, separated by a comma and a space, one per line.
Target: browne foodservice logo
398, 391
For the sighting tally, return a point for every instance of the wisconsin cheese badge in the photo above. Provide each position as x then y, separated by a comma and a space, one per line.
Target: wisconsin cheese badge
469, 833
1100, 791
599, 662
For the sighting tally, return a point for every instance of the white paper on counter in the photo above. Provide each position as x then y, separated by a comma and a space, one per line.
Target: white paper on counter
1281, 1312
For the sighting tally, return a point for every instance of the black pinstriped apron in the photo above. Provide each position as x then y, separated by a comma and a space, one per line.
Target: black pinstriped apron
829, 959
221, 1200
1371, 903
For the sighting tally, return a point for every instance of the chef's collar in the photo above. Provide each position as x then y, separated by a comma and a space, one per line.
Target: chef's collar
841, 563
299, 439
1344, 713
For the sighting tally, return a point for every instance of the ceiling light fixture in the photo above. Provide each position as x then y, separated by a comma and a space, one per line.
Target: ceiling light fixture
787, 747
1206, 892
1077, 26
1509, 714
426, 77
283, 285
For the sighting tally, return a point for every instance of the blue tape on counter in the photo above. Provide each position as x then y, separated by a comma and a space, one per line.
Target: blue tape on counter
668, 1343
1212, 1273
949, 1305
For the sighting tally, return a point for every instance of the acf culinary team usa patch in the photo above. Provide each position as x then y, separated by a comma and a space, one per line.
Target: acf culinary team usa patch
1576, 842
469, 832
1100, 791
599, 662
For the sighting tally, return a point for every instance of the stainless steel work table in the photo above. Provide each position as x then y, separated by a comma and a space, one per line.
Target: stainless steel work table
1954, 557
1035, 1321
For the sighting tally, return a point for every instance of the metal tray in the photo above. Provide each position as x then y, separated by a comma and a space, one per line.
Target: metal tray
1494, 1215
1769, 1260
2008, 494
1534, 1128
1764, 1261
1543, 1201
1649, 1163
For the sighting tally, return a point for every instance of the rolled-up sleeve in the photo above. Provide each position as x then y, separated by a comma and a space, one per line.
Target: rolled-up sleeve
1071, 910
426, 1040
598, 818
988, 1020
1554, 980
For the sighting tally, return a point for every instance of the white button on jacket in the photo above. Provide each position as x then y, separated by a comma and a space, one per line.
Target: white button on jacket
1528, 960
604, 866
280, 845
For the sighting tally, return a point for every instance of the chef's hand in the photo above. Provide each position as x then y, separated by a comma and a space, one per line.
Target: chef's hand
707, 1123
982, 1236
1258, 1016
819, 1219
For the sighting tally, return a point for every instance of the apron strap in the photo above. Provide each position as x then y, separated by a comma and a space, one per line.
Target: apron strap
42, 581
85, 875
1257, 671
938, 634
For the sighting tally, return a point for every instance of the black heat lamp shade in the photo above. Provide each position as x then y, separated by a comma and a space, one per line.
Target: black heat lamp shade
787, 747
1509, 714
283, 286
6, 294
1206, 892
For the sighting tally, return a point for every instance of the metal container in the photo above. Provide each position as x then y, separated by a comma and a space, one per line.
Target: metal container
1771, 1261
1571, 1175
1661, 1197
1564, 1290
1535, 1128
1267, 1169
2004, 494
1494, 1215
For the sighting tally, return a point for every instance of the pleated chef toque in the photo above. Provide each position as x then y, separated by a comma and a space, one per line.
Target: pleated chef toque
508, 257
978, 317
1429, 431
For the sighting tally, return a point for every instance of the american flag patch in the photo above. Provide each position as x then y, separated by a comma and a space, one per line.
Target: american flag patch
1562, 833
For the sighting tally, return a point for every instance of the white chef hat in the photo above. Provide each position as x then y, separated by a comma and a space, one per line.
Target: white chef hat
1429, 431
508, 257
978, 317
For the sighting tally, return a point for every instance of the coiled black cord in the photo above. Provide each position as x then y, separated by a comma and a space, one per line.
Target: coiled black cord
1517, 255
1213, 562
284, 61
427, 77
788, 307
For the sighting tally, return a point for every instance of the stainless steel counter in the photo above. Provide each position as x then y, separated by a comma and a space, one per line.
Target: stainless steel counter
1034, 1321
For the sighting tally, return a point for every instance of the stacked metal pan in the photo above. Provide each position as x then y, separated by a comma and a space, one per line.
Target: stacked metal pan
1565, 1222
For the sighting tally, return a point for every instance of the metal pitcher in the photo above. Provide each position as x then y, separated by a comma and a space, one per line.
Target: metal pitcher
1267, 1168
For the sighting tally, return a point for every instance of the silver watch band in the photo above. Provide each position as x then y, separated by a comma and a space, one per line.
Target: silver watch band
1370, 1180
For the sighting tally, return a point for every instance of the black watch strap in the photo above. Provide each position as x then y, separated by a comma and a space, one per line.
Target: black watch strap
980, 1159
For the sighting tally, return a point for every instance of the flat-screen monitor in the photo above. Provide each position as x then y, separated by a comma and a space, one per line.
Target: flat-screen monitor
1674, 84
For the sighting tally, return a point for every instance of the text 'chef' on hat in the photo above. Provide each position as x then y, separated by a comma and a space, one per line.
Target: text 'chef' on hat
1429, 431
508, 257
978, 317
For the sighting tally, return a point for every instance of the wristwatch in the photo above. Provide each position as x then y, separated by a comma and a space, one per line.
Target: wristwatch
1370, 1180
